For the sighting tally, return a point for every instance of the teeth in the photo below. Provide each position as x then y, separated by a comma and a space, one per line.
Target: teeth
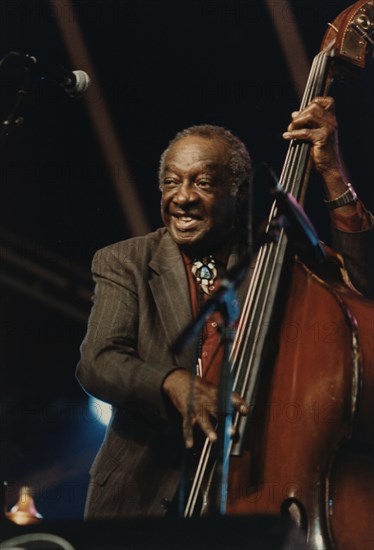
184, 218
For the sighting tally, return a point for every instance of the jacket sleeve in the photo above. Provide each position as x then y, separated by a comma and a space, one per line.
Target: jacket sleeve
357, 250
110, 367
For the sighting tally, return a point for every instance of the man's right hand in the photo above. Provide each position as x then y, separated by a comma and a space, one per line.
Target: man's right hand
197, 401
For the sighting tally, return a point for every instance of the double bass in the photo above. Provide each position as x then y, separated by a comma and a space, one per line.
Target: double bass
303, 359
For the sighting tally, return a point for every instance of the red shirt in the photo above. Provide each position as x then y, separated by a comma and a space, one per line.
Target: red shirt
211, 346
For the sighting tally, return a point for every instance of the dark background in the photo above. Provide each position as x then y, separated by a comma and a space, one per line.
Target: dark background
162, 65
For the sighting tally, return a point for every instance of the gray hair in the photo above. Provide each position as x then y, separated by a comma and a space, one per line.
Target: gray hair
240, 164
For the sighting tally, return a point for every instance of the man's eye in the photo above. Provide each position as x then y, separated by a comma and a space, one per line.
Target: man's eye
169, 182
204, 183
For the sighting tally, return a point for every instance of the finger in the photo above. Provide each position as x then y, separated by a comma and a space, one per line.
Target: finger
239, 403
203, 420
327, 103
207, 427
311, 117
210, 407
314, 114
188, 424
304, 134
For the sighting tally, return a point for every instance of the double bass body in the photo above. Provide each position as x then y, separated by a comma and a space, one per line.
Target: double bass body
310, 438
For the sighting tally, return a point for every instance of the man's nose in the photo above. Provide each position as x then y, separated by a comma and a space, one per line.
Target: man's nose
185, 193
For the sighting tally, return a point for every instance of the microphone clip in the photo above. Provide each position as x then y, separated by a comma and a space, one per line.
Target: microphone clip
292, 217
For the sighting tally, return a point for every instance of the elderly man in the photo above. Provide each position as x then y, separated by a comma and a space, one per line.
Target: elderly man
149, 288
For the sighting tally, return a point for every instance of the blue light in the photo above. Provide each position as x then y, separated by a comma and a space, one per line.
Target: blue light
100, 410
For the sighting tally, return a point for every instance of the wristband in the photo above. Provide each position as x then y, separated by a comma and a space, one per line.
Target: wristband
345, 198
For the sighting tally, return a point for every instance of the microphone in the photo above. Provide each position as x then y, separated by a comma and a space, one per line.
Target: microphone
75, 83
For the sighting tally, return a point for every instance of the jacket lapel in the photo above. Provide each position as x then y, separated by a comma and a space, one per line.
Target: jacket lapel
169, 287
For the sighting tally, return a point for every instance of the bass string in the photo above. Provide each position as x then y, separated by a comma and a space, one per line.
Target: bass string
252, 318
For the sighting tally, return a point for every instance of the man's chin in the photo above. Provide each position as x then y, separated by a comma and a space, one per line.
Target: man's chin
185, 238
195, 243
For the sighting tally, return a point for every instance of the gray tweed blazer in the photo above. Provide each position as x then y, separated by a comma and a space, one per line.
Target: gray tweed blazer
141, 305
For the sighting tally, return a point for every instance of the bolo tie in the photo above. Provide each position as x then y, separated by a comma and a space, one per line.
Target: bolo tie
205, 273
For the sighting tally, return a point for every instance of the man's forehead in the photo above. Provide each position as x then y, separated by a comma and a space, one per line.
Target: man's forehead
209, 153
206, 165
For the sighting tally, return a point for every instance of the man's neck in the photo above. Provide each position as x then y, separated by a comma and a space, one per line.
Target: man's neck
220, 252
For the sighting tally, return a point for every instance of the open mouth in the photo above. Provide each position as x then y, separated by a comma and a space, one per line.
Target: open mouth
185, 222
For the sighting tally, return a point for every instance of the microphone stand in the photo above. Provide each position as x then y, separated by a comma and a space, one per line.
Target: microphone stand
230, 314
14, 120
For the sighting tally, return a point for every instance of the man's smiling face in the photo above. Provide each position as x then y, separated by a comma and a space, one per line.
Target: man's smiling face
197, 207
